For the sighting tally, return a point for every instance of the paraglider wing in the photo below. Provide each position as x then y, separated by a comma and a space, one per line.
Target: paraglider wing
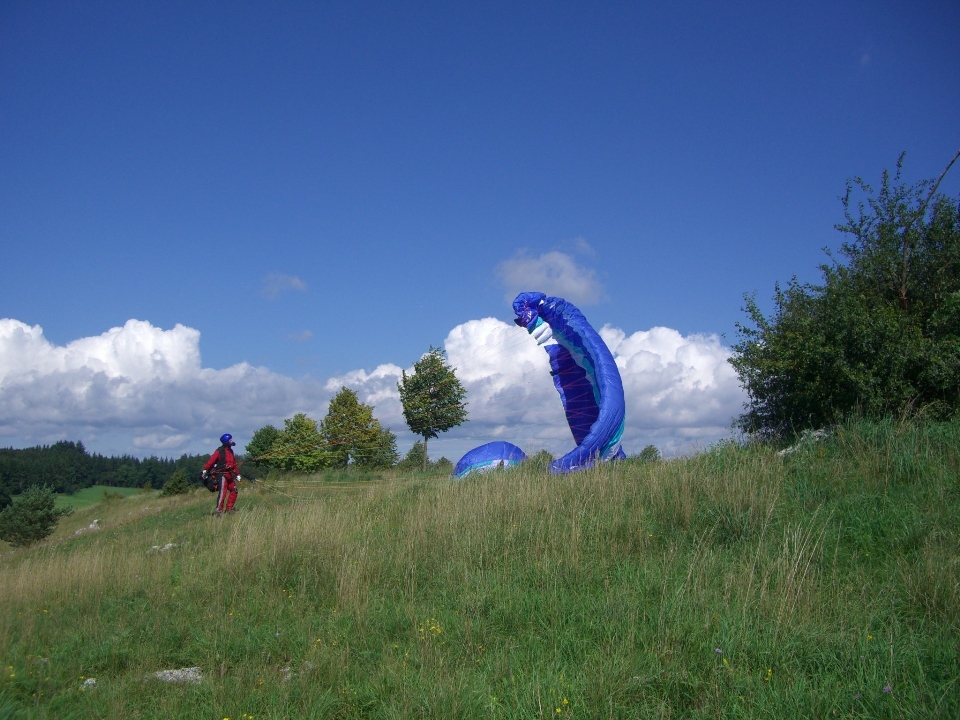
488, 457
584, 373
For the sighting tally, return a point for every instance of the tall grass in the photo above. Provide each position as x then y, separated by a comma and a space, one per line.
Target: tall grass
736, 583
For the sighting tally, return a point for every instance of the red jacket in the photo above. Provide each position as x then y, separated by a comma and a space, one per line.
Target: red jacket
229, 465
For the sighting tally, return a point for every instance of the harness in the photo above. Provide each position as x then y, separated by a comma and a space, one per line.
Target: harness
212, 481
221, 463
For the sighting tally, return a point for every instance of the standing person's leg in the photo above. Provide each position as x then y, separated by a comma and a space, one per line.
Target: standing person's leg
231, 495
222, 491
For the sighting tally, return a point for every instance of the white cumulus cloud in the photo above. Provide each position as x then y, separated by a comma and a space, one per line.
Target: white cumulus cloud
137, 385
142, 389
554, 273
681, 393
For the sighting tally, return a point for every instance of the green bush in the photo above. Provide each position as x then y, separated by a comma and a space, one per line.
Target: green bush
540, 460
112, 496
879, 337
177, 484
443, 464
650, 454
416, 460
31, 517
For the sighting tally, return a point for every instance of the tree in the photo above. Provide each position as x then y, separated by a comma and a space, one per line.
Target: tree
540, 460
261, 445
649, 454
352, 434
31, 517
880, 335
443, 465
415, 459
299, 446
432, 398
383, 453
177, 484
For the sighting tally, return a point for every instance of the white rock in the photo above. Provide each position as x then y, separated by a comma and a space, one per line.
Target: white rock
162, 548
189, 675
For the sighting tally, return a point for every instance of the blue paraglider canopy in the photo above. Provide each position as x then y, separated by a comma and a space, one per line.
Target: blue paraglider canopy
489, 457
584, 373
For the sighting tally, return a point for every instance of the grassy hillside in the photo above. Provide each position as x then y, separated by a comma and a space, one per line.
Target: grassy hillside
739, 583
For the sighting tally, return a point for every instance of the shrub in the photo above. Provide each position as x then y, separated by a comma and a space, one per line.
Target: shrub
650, 454
31, 517
879, 336
177, 484
540, 460
416, 459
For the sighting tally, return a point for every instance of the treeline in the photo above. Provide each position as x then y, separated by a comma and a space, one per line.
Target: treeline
347, 435
67, 467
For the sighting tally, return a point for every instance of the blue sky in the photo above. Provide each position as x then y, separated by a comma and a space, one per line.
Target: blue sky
321, 189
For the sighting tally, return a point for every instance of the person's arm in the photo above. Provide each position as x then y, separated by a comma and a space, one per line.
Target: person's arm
213, 459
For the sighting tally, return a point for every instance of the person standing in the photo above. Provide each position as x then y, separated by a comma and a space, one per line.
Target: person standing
224, 464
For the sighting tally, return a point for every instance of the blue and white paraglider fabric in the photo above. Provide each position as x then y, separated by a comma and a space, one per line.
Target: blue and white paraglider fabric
584, 373
489, 457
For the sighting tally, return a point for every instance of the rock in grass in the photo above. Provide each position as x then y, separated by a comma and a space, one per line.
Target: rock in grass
162, 548
189, 676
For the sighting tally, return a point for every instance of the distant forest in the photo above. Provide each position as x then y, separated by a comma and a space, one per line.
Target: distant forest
67, 467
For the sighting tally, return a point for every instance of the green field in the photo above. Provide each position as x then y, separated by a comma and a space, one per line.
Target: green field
92, 495
736, 584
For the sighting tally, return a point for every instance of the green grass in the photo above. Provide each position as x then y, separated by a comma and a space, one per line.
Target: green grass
93, 495
822, 577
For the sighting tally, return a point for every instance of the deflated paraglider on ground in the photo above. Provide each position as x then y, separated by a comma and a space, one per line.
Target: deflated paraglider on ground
587, 378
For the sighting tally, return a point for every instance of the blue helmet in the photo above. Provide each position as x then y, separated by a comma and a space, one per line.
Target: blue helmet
226, 439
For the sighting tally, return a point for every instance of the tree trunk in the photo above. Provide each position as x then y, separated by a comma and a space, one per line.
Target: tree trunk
425, 453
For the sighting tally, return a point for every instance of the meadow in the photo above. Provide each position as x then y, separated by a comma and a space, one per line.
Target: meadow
737, 583
92, 495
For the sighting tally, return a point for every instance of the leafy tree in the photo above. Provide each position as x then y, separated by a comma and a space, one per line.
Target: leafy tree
177, 484
432, 398
31, 517
443, 465
353, 435
261, 445
383, 452
649, 454
881, 334
540, 460
300, 446
415, 459
4, 498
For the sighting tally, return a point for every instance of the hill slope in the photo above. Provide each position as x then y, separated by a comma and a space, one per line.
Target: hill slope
822, 583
